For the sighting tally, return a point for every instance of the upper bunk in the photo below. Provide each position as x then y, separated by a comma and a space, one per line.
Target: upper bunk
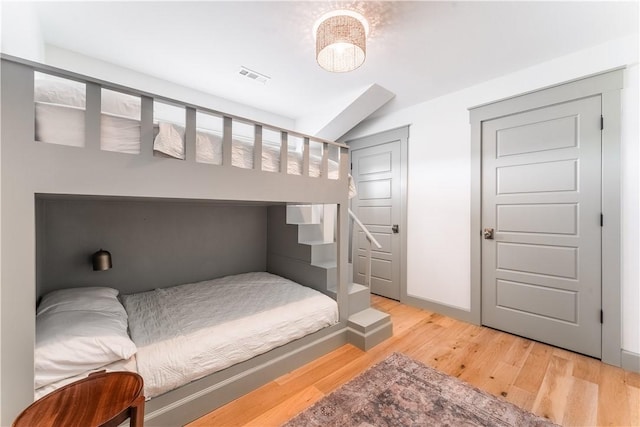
66, 133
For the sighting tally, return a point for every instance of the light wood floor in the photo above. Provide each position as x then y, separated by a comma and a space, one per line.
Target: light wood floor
568, 388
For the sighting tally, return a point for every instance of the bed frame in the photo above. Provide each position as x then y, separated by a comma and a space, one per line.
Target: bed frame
29, 168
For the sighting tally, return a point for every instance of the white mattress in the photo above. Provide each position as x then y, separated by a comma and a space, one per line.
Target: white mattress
187, 332
61, 124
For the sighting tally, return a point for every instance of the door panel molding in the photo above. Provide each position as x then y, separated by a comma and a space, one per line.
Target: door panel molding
608, 86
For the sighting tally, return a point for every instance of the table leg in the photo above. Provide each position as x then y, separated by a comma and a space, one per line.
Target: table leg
137, 412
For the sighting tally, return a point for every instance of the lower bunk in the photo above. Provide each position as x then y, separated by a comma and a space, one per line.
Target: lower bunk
197, 346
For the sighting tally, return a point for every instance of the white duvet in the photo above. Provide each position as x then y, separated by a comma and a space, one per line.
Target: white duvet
187, 332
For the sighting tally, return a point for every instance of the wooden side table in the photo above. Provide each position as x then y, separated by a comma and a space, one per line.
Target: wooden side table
102, 399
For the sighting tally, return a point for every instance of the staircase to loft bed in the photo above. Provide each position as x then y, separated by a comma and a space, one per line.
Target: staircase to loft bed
301, 246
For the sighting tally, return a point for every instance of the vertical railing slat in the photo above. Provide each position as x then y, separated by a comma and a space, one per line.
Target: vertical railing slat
325, 161
227, 133
190, 135
344, 165
305, 158
257, 148
146, 126
284, 152
92, 116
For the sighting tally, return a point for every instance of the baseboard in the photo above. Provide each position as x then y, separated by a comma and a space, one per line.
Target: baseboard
193, 400
630, 361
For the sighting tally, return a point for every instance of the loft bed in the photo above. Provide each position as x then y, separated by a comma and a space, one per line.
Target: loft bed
57, 142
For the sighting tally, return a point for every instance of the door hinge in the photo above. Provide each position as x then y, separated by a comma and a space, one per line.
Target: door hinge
601, 220
601, 316
351, 166
601, 122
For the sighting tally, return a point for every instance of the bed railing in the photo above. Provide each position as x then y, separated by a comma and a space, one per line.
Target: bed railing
147, 121
371, 240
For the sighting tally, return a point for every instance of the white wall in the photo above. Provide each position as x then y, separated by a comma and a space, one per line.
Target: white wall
21, 35
0, 218
630, 223
72, 61
438, 252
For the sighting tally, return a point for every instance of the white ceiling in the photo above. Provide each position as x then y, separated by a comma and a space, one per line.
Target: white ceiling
417, 50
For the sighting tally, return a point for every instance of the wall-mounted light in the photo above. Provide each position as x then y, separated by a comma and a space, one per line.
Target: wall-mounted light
101, 260
341, 38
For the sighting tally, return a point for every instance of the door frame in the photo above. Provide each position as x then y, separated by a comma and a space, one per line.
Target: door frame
608, 85
401, 134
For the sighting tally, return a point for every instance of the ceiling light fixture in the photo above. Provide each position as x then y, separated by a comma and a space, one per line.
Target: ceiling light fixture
341, 40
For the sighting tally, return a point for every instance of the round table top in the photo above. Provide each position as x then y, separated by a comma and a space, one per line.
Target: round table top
92, 401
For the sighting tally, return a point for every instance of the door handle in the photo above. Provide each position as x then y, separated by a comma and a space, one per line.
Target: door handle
488, 233
395, 229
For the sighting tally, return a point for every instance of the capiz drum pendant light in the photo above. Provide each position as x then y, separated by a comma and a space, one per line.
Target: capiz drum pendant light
341, 40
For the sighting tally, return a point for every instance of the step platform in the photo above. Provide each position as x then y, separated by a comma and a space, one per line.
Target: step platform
368, 328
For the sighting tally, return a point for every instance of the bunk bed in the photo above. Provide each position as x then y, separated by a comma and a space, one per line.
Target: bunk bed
94, 144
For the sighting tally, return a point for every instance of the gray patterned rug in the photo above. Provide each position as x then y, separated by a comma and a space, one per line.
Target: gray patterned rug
400, 391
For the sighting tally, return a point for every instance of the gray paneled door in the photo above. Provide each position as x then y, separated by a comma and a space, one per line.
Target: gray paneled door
376, 171
541, 195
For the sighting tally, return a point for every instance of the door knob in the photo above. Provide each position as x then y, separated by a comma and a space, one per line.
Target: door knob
488, 233
395, 228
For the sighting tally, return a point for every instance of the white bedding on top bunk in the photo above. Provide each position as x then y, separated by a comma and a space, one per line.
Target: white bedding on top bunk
209, 150
187, 332
64, 124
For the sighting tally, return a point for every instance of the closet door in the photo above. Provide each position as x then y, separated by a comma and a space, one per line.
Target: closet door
541, 219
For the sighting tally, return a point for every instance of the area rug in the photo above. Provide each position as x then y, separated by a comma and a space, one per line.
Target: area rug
400, 391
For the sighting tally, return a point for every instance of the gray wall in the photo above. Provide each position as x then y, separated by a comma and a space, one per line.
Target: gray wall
153, 243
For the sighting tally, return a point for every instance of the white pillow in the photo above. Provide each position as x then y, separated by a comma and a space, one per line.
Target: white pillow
208, 148
85, 299
78, 330
170, 140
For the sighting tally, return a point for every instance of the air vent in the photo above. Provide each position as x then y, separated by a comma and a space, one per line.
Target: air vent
253, 75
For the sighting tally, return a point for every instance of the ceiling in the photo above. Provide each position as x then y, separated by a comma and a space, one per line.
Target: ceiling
417, 50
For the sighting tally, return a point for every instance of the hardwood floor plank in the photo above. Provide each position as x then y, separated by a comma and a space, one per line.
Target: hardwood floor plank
518, 352
520, 397
320, 368
501, 379
288, 409
586, 368
534, 368
634, 405
480, 366
632, 379
244, 409
582, 404
569, 388
612, 393
553, 393
436, 350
